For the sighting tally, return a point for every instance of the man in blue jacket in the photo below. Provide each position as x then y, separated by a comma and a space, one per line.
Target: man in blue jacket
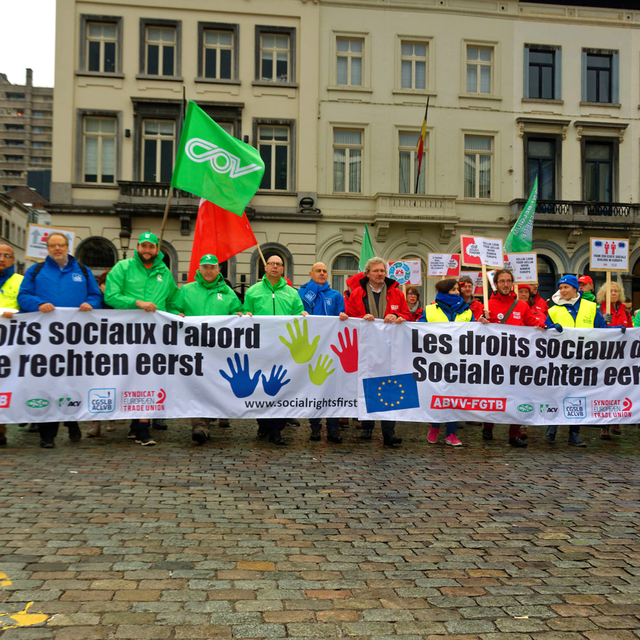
59, 281
319, 299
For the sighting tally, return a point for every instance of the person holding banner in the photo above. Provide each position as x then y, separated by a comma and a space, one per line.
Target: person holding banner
377, 297
537, 299
466, 291
142, 282
586, 288
59, 281
505, 308
208, 295
524, 294
571, 309
319, 299
448, 307
413, 302
618, 315
272, 296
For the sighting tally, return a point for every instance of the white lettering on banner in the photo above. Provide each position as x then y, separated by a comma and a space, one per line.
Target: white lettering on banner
68, 365
221, 161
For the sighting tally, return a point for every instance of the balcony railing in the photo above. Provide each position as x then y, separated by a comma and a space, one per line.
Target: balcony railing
415, 205
571, 210
150, 190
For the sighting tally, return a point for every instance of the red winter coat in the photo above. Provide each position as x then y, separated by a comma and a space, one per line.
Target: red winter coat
521, 315
396, 302
416, 315
621, 316
477, 308
540, 303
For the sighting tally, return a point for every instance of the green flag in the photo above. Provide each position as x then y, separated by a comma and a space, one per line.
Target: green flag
366, 251
520, 238
214, 165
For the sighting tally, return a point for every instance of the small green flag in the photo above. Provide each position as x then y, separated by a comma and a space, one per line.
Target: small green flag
214, 165
366, 251
520, 238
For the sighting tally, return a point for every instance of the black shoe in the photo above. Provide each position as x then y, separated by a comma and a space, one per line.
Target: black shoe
524, 436
144, 438
75, 435
392, 441
47, 443
159, 424
517, 442
132, 433
487, 434
292, 422
33, 429
334, 437
366, 434
3, 439
199, 436
223, 423
315, 437
278, 440
262, 433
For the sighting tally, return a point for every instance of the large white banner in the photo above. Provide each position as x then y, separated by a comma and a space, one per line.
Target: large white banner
68, 365
440, 372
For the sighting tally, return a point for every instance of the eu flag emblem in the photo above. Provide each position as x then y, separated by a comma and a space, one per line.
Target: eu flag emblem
390, 393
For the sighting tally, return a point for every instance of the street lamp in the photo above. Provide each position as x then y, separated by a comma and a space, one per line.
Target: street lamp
125, 238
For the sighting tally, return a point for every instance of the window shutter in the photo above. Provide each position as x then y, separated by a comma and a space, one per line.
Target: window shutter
525, 56
584, 76
557, 87
615, 78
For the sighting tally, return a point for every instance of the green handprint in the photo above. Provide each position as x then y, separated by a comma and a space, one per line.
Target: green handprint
321, 373
301, 350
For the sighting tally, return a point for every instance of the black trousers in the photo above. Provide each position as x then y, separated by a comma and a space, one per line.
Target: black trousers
50, 429
388, 426
273, 426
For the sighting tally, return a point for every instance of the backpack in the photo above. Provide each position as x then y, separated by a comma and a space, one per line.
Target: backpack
39, 266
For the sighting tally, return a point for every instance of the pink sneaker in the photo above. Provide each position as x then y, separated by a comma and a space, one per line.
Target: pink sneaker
453, 441
432, 436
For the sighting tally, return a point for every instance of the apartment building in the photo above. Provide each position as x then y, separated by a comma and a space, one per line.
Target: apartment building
26, 119
333, 95
13, 228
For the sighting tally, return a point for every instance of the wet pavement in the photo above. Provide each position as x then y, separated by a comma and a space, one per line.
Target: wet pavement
242, 539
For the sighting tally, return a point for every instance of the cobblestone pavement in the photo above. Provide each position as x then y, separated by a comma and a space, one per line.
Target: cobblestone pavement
240, 539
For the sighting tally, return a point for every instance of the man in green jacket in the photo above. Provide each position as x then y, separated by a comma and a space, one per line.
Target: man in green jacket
142, 282
209, 295
272, 296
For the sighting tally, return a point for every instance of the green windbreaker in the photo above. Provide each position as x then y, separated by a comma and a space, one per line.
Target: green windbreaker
130, 280
202, 298
262, 299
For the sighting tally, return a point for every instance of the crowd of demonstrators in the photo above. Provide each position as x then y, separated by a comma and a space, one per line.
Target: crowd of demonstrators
207, 295
449, 306
378, 297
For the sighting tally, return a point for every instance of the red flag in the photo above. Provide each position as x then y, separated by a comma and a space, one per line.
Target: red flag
220, 232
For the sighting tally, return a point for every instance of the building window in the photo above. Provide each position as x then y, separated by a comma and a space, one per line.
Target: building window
542, 72
268, 253
160, 47
158, 138
218, 54
10, 158
598, 172
102, 40
350, 54
274, 57
477, 166
38, 114
14, 143
97, 254
227, 127
14, 127
413, 65
408, 163
479, 65
541, 162
38, 129
273, 145
347, 160
99, 156
15, 96
600, 76
343, 267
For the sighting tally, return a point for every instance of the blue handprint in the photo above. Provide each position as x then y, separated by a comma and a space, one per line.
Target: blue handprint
242, 384
275, 382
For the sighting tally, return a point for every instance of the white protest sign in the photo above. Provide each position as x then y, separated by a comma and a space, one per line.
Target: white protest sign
478, 251
609, 254
443, 265
37, 235
524, 267
405, 271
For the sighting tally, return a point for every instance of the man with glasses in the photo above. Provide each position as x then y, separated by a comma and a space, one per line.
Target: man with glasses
59, 281
272, 296
505, 308
466, 291
10, 282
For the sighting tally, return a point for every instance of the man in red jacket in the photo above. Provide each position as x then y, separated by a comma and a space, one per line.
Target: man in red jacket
505, 308
378, 297
466, 291
537, 300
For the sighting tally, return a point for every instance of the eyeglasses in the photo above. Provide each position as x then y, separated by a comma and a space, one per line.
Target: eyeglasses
275, 264
8, 256
505, 281
57, 246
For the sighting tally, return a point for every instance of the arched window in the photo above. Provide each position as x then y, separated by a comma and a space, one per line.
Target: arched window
170, 258
343, 267
271, 249
547, 276
97, 254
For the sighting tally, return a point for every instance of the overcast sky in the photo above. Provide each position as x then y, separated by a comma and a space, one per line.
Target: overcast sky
28, 40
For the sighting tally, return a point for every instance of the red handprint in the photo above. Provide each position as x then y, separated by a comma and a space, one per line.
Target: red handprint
349, 354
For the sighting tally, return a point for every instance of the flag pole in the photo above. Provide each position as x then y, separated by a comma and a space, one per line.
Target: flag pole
166, 215
423, 132
264, 262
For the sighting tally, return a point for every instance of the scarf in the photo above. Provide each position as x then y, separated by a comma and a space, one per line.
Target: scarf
218, 283
451, 305
558, 299
375, 310
313, 296
6, 274
414, 307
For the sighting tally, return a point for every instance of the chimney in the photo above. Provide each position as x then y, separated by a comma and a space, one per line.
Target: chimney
29, 77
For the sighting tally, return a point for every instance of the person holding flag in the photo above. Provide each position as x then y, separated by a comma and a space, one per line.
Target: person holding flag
520, 238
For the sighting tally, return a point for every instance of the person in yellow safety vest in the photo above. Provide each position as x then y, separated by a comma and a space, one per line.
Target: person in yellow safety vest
571, 309
10, 282
449, 306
